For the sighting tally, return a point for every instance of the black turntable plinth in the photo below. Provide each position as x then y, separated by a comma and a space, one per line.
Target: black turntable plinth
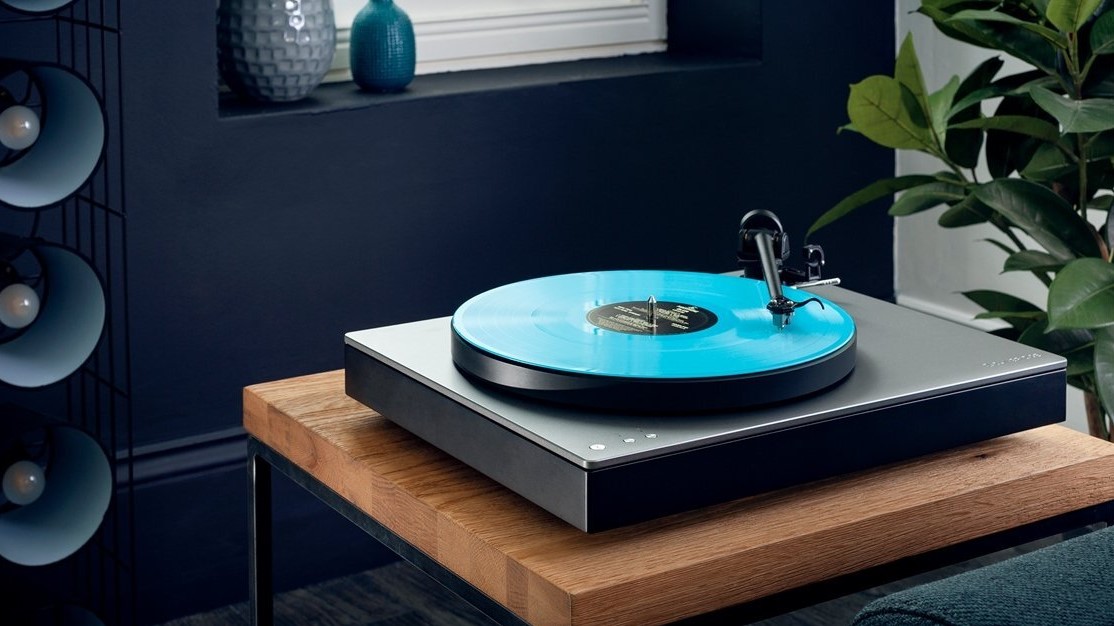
916, 384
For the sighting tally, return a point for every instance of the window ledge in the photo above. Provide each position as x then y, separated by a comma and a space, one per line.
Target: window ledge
346, 96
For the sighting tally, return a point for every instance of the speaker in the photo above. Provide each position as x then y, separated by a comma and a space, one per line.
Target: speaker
69, 133
68, 318
36, 7
56, 487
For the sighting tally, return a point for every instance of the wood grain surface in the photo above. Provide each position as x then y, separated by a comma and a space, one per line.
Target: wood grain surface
548, 572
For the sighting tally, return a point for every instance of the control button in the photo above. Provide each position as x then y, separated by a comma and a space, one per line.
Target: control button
651, 435
598, 446
629, 440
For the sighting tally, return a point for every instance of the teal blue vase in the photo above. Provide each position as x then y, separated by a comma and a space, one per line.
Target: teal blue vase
381, 50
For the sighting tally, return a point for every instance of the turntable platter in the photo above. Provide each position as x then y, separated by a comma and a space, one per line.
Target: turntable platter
661, 341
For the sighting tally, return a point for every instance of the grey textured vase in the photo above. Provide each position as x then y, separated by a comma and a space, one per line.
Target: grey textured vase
275, 50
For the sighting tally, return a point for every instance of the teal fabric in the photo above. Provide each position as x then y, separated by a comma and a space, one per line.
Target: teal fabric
1062, 585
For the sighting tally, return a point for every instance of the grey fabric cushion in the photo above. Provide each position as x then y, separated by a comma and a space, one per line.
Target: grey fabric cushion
1064, 584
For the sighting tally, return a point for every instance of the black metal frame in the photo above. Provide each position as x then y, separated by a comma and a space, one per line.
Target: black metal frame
262, 459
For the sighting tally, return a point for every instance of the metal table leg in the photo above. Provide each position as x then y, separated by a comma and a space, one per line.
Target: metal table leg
262, 461
260, 565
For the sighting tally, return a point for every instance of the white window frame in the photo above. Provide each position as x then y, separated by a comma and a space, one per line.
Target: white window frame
454, 35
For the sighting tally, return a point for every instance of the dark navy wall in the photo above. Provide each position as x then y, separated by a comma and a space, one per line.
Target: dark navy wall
257, 240
258, 236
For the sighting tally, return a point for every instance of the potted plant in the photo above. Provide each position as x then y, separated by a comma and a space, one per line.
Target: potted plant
1039, 168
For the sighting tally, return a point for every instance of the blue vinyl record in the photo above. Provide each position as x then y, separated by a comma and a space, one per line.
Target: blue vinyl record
597, 324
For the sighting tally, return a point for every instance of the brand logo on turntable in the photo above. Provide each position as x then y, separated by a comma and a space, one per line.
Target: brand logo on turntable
1013, 359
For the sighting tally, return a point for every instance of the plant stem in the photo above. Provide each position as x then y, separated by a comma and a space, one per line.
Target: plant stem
1086, 69
1082, 147
1097, 423
1078, 76
953, 167
1043, 277
1005, 228
1072, 63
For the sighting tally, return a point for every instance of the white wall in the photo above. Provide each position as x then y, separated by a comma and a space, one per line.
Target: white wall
933, 265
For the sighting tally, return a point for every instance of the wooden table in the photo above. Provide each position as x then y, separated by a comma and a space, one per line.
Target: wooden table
520, 564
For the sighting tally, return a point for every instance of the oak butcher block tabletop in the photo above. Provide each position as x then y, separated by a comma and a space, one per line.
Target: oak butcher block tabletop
548, 572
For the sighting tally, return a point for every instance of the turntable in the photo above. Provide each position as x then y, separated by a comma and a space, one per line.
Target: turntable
610, 398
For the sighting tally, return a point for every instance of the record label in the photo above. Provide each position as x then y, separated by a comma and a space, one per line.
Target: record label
666, 318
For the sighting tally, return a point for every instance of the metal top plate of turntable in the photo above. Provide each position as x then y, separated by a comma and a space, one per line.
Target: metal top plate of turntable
902, 356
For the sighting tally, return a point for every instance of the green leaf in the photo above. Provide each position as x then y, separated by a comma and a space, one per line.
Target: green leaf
1070, 15
1101, 146
1076, 116
1001, 246
882, 109
991, 300
964, 146
1007, 152
939, 106
925, 197
1049, 163
1012, 317
1032, 261
1042, 214
1102, 35
999, 301
975, 15
874, 191
907, 71
1081, 364
1082, 295
1103, 203
983, 93
1104, 367
1109, 226
1020, 83
1021, 124
1006, 332
979, 78
967, 212
1074, 345
1100, 176
1015, 41
1100, 80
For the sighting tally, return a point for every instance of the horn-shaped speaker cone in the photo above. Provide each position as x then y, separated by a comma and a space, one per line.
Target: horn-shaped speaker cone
37, 7
67, 324
70, 139
63, 505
